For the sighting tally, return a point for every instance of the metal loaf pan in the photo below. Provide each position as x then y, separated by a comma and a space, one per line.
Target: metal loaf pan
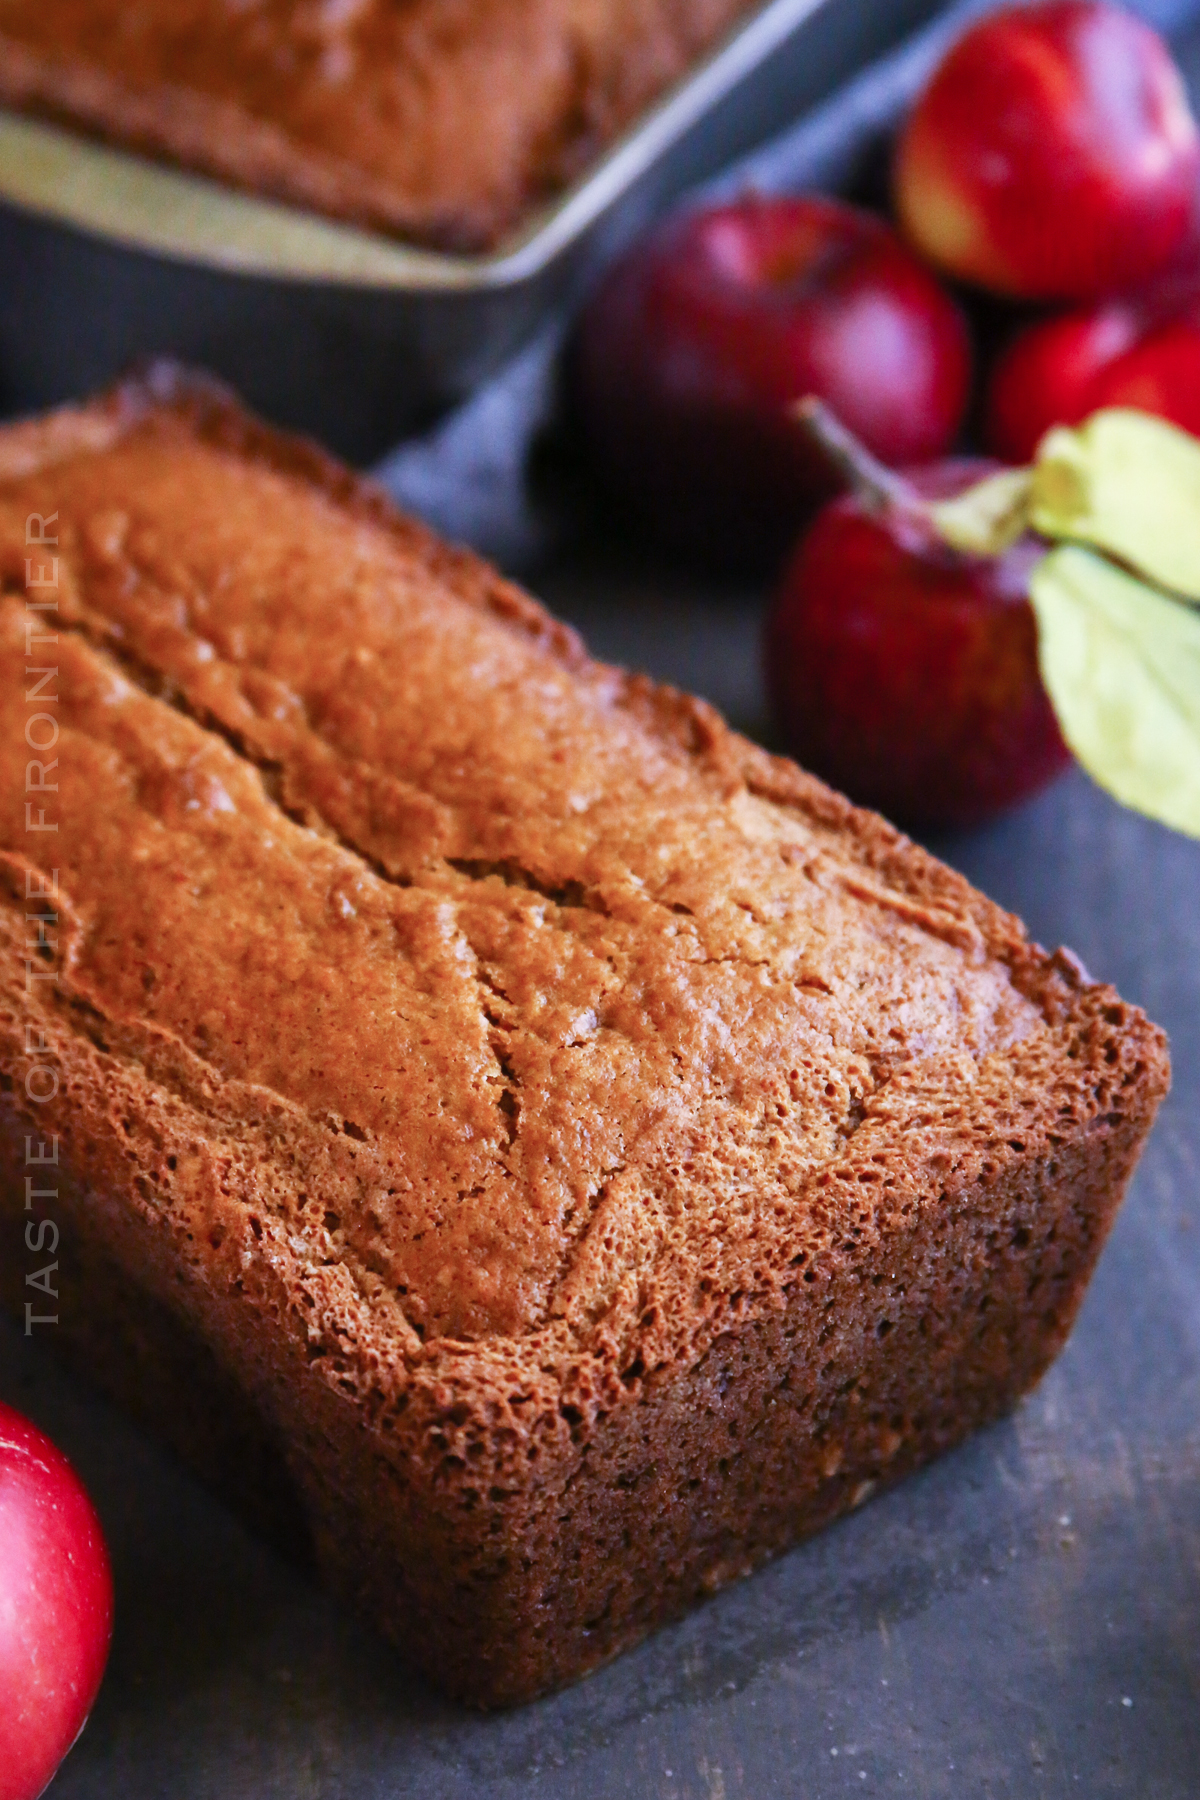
105, 256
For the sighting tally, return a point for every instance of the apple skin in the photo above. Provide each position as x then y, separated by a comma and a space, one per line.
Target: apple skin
906, 674
1141, 352
56, 1607
1052, 155
697, 342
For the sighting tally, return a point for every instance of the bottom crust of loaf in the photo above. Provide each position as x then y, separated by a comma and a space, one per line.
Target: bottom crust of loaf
656, 1499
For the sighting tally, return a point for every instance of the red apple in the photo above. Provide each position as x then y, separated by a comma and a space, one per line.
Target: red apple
56, 1605
697, 342
1141, 352
905, 673
1052, 155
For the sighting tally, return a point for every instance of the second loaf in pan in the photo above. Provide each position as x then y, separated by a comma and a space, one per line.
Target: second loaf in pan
532, 1145
443, 121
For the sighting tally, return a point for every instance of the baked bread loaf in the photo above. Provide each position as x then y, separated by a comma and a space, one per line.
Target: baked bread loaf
442, 121
533, 1147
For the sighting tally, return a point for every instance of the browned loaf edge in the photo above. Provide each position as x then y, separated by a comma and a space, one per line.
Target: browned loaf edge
441, 121
525, 1142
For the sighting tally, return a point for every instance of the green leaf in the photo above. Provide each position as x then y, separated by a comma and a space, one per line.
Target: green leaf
986, 518
1128, 483
1122, 666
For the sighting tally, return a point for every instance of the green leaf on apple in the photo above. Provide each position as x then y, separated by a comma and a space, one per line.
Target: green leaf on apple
1124, 481
988, 518
1128, 483
1118, 643
1118, 627
1121, 663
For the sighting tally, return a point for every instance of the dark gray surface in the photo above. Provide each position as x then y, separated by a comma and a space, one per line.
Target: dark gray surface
1023, 1619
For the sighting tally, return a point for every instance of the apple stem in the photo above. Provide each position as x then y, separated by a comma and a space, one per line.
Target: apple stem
877, 486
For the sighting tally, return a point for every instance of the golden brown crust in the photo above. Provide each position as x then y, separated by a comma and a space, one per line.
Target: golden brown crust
442, 121
481, 1053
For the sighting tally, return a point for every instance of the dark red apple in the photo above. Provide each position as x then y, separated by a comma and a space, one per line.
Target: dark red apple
905, 673
698, 341
1142, 352
56, 1607
1053, 154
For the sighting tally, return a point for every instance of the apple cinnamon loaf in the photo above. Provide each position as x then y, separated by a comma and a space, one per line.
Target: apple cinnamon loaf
530, 1145
443, 121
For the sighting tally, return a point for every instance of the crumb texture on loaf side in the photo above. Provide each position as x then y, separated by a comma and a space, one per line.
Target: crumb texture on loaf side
440, 120
590, 1152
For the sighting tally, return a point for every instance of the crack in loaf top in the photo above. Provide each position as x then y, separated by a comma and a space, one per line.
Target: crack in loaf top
356, 823
435, 119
